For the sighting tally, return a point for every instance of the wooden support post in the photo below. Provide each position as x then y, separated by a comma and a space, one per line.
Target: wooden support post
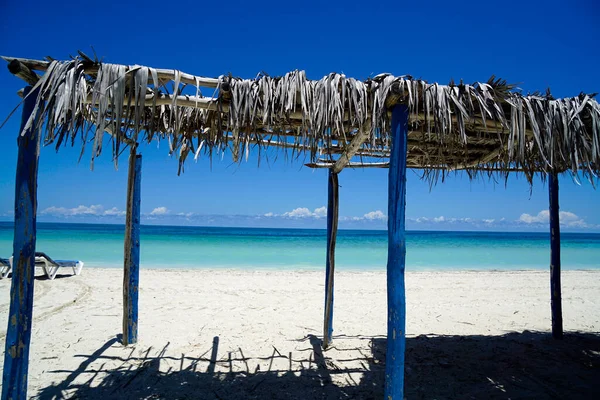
18, 333
131, 277
555, 290
333, 201
396, 335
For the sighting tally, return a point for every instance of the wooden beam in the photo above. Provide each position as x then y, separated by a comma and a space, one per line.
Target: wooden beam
162, 99
20, 313
333, 201
495, 154
326, 164
396, 333
349, 165
163, 74
38, 65
131, 275
555, 287
20, 70
357, 141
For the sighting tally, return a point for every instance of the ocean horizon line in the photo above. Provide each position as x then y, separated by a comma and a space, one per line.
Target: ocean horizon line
569, 232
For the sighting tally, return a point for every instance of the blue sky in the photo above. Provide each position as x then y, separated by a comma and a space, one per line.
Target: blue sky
537, 44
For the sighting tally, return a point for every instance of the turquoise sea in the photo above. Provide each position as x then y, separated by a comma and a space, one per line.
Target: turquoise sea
286, 249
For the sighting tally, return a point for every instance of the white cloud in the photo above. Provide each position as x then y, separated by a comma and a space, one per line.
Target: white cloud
93, 210
543, 216
539, 221
321, 211
567, 218
302, 212
372, 216
114, 211
269, 214
442, 219
375, 215
159, 211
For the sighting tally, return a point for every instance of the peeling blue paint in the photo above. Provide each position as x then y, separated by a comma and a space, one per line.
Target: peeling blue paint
396, 336
332, 222
131, 277
18, 333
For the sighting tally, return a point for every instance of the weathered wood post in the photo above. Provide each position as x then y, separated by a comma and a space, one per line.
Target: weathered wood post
332, 223
18, 333
396, 335
131, 277
555, 287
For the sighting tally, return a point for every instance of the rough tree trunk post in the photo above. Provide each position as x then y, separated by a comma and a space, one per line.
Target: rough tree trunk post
131, 277
555, 292
332, 223
396, 335
18, 333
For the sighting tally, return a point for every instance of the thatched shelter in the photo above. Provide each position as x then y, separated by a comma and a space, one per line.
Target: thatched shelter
481, 126
335, 122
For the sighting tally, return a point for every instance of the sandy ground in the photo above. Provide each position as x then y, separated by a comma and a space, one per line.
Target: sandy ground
256, 335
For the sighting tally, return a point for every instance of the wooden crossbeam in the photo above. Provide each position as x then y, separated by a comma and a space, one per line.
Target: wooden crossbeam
163, 74
20, 70
483, 168
349, 165
351, 150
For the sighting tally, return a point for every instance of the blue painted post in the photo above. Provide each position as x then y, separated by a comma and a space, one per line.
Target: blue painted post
396, 335
18, 333
332, 223
131, 277
555, 290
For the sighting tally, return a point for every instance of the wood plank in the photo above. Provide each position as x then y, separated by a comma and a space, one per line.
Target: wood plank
396, 333
555, 286
22, 71
20, 314
349, 165
324, 164
333, 201
131, 275
163, 74
352, 148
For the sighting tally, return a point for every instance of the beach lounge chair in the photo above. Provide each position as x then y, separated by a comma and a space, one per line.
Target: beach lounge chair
5, 267
42, 260
51, 266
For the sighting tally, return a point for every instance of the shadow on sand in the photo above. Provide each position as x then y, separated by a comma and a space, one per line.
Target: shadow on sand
524, 365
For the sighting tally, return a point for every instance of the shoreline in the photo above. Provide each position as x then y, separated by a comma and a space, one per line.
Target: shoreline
342, 269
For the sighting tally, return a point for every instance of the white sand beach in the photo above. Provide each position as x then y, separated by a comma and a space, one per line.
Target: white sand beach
230, 334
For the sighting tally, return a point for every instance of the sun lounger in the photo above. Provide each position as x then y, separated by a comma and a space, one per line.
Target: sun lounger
42, 260
5, 267
51, 266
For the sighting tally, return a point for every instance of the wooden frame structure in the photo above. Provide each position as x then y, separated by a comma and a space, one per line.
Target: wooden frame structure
335, 123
